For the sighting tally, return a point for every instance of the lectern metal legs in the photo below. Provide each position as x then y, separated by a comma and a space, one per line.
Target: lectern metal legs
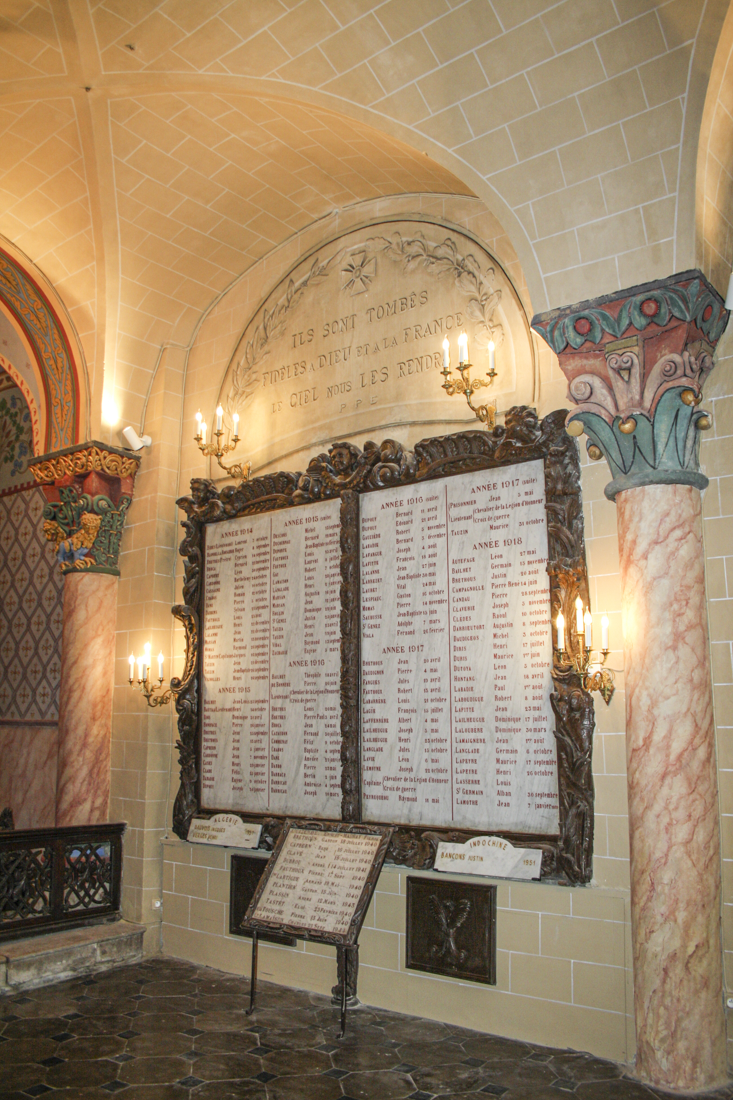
253, 976
344, 954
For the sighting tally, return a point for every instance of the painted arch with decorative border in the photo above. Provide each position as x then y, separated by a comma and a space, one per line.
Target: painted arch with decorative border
51, 370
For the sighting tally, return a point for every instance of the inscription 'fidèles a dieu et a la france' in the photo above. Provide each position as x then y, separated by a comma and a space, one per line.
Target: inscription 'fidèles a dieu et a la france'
421, 356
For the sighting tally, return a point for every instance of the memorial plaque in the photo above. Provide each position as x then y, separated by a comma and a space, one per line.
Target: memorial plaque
491, 856
456, 650
271, 737
226, 829
371, 638
350, 339
319, 881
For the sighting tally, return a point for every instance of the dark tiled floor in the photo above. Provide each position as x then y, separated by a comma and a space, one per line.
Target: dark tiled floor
164, 1030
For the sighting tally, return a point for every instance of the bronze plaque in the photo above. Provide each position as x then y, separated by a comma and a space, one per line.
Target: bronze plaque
451, 929
245, 876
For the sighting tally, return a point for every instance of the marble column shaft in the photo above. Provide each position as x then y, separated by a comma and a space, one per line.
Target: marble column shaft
672, 786
85, 703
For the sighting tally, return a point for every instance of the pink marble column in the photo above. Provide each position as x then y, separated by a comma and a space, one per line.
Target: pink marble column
85, 704
636, 363
672, 786
88, 489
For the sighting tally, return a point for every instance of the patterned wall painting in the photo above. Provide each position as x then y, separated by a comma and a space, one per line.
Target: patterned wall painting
30, 582
16, 440
30, 612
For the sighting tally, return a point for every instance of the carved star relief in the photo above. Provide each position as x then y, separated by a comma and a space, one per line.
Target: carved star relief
358, 273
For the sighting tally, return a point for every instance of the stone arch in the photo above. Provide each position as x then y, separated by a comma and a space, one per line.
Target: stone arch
714, 184
44, 355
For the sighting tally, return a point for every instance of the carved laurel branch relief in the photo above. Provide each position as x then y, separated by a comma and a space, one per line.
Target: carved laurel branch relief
345, 472
444, 258
441, 259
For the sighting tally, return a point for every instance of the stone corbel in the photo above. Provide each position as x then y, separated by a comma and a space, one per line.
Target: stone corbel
636, 363
88, 489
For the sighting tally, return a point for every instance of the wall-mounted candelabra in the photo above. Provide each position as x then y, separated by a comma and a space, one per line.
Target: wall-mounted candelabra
239, 471
465, 384
594, 674
155, 694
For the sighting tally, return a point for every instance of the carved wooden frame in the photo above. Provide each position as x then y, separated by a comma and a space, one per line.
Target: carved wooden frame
345, 472
345, 939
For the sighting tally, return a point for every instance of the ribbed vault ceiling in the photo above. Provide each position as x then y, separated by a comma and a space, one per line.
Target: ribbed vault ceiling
141, 203
152, 151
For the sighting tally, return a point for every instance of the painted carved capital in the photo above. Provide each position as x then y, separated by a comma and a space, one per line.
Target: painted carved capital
88, 489
636, 362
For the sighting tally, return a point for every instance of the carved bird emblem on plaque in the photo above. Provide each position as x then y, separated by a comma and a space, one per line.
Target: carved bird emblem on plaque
449, 915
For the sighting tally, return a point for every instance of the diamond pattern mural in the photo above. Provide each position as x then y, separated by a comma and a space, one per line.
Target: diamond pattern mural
30, 613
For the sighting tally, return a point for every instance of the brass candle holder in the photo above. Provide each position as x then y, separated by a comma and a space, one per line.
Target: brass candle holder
594, 679
155, 694
593, 672
465, 384
238, 471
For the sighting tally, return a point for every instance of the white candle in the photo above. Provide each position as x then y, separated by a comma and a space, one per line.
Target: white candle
588, 630
560, 630
199, 418
578, 616
235, 422
463, 348
219, 417
492, 358
132, 666
446, 354
604, 632
160, 665
203, 431
140, 668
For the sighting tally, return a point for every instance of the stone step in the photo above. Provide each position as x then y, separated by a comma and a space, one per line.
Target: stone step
40, 960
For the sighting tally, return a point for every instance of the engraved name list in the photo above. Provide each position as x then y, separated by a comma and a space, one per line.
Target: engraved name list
456, 653
271, 735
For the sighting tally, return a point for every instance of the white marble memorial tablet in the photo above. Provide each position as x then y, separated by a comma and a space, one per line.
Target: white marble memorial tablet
271, 714
489, 855
456, 651
317, 880
226, 829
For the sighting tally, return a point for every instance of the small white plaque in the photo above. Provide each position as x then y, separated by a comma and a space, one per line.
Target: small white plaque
226, 829
489, 855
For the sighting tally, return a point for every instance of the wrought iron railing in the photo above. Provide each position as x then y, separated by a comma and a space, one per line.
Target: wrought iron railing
56, 878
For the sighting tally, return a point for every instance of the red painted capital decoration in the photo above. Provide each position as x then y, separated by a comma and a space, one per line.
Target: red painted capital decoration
636, 362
